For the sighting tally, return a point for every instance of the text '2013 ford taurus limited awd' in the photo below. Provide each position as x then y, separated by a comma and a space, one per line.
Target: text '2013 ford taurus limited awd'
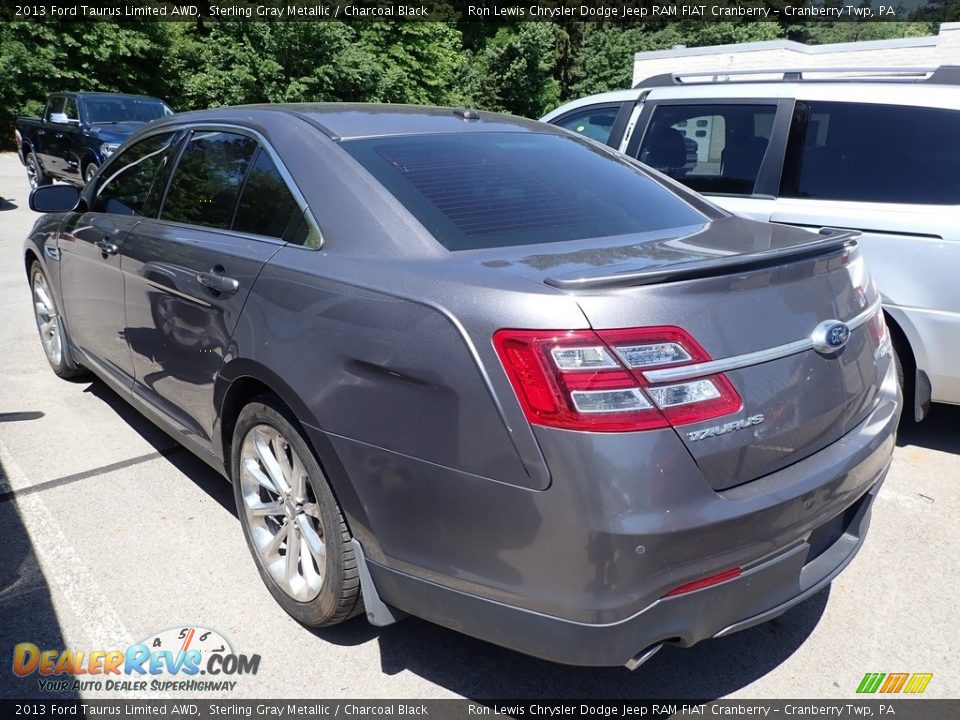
480, 370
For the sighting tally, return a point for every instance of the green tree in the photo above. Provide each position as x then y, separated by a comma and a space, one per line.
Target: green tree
818, 33
418, 61
605, 61
514, 71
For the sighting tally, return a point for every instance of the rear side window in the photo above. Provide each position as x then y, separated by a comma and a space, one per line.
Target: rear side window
479, 190
128, 184
594, 122
266, 206
873, 153
208, 178
709, 148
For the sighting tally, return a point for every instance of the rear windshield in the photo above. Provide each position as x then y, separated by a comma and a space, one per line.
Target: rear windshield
124, 109
481, 190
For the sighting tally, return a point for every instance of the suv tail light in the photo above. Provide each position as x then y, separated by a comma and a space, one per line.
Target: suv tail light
593, 380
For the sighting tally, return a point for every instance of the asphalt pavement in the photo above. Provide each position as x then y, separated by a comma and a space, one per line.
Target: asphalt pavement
110, 533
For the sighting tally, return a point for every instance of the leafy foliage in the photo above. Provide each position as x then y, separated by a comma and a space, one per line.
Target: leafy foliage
514, 71
525, 68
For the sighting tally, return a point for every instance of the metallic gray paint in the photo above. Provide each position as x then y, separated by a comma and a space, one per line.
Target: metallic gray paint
380, 343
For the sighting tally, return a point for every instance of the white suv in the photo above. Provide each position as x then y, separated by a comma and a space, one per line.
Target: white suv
873, 150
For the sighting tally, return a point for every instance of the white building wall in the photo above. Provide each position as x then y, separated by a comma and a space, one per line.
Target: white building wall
931, 51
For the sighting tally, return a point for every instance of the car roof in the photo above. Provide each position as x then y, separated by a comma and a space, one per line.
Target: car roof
343, 121
614, 96
922, 86
95, 94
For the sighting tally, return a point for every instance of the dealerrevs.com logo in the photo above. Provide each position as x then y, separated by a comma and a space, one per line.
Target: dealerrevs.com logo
187, 659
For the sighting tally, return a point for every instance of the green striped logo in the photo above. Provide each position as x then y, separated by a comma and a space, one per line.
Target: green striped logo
871, 682
912, 683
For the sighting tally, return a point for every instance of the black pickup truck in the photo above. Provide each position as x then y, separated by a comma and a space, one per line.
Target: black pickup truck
79, 131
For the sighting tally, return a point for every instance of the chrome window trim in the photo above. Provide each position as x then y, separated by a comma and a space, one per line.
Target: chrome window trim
711, 367
192, 127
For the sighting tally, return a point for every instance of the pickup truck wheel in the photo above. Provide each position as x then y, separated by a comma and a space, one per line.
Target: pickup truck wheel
89, 170
35, 173
291, 520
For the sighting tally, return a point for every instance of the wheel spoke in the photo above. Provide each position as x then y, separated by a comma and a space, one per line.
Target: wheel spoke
252, 467
274, 545
298, 478
40, 291
293, 557
267, 509
312, 509
269, 461
315, 544
277, 444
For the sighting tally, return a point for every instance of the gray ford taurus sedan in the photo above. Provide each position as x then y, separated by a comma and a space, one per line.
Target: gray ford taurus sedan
477, 369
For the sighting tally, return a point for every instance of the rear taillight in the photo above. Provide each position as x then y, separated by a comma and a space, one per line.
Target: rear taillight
593, 380
879, 333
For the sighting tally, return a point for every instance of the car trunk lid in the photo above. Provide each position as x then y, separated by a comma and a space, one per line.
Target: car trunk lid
758, 299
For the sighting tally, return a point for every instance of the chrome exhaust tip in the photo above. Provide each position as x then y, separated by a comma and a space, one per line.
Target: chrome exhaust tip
641, 657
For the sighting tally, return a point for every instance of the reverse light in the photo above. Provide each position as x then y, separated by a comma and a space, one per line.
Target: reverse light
592, 401
583, 358
685, 393
593, 380
645, 356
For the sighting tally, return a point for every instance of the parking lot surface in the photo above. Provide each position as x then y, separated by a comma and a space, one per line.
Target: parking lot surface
111, 533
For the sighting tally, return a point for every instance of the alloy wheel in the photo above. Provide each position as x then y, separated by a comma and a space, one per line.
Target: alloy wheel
282, 513
48, 321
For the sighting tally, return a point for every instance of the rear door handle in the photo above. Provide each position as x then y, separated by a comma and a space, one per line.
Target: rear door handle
220, 283
107, 247
58, 135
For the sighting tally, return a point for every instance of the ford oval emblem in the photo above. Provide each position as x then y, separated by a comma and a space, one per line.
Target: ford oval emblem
829, 336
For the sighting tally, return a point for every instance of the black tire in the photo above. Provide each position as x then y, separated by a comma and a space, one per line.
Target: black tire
35, 173
89, 170
906, 384
338, 598
58, 362
906, 370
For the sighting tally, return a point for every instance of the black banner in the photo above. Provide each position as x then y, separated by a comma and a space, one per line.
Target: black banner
636, 11
304, 709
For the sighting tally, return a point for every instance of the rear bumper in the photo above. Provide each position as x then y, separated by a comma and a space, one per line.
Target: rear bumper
579, 573
763, 592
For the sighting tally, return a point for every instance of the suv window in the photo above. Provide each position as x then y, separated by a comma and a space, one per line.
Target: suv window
873, 153
54, 106
208, 178
493, 189
709, 148
266, 206
128, 181
70, 109
594, 122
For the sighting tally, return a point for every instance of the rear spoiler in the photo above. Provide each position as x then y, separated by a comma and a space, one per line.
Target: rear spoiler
832, 242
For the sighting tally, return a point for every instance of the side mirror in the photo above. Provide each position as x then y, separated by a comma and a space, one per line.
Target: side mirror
55, 198
60, 118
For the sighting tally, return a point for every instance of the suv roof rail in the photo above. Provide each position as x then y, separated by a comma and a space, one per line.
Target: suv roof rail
941, 75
